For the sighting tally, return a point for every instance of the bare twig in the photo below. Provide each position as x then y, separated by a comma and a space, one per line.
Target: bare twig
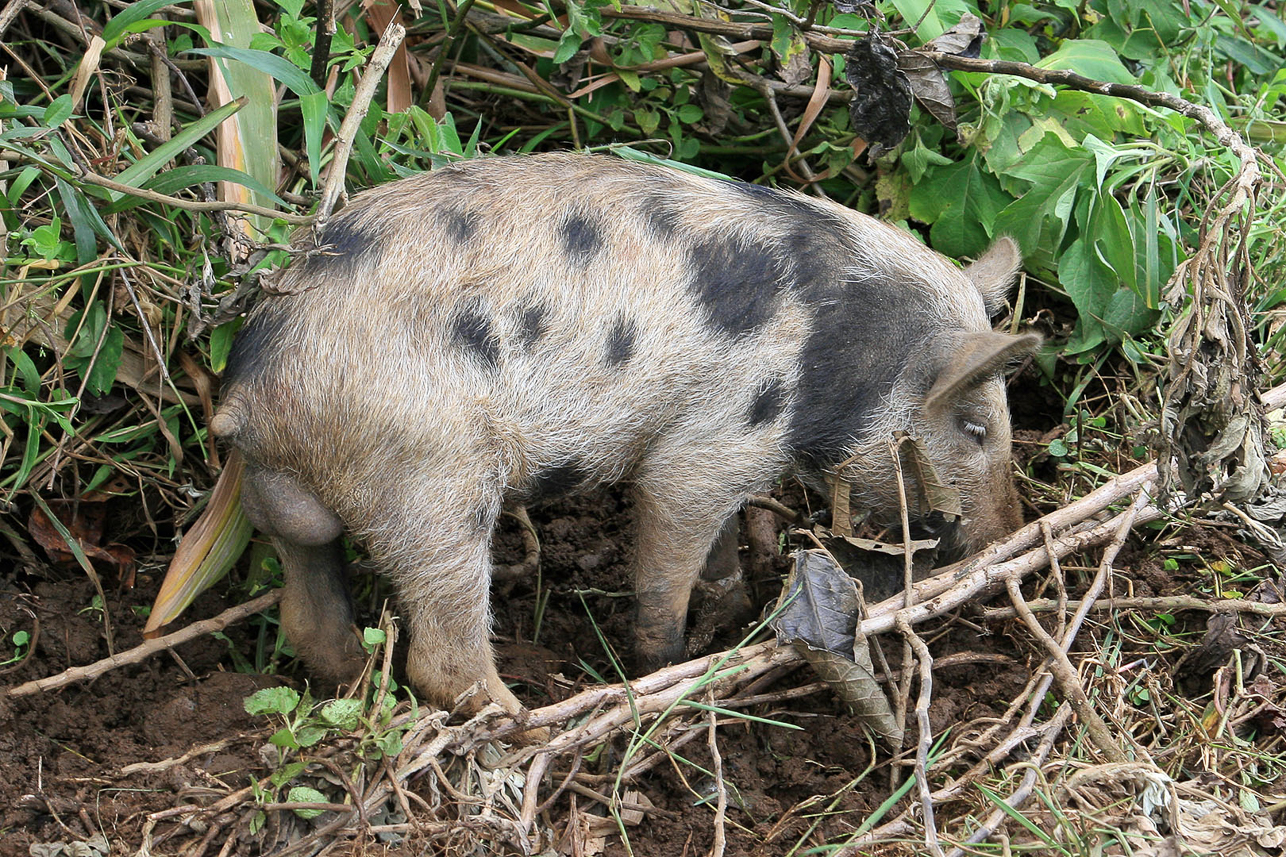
146, 650
393, 35
1164, 604
721, 788
925, 733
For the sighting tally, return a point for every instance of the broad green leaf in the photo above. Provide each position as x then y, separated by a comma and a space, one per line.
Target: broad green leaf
342, 713
100, 378
937, 15
58, 111
304, 794
1091, 58
974, 199
1112, 240
272, 700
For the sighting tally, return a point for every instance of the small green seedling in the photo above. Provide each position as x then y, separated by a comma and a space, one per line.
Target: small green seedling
20, 641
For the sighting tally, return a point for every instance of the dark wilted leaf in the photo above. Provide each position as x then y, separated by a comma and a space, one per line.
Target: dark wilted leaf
820, 619
929, 85
821, 609
881, 105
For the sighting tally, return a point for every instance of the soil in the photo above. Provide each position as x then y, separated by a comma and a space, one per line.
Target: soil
66, 755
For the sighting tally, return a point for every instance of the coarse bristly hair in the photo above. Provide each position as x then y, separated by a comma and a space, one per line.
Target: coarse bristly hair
510, 329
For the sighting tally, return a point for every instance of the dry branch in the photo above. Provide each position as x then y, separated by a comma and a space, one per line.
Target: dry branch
146, 650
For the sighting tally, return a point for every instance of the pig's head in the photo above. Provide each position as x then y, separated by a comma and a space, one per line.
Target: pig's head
951, 399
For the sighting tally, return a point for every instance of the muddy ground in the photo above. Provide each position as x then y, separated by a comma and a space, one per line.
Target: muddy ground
64, 755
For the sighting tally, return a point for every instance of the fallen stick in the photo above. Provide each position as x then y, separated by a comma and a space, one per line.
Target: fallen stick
146, 650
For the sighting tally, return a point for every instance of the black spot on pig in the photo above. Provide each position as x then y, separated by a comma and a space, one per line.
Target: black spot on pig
459, 224
663, 218
620, 342
533, 323
768, 403
472, 331
815, 240
582, 239
865, 331
253, 347
550, 483
738, 284
342, 247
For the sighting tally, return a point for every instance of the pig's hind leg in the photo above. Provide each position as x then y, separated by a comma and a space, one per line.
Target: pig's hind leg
316, 611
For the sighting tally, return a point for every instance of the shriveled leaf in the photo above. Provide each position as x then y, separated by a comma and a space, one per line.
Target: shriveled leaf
963, 40
889, 548
855, 683
820, 619
929, 86
881, 105
936, 493
821, 605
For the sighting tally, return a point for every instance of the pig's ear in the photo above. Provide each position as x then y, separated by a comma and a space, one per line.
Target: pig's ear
977, 357
995, 272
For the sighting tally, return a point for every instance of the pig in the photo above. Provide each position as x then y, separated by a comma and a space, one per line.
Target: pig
513, 329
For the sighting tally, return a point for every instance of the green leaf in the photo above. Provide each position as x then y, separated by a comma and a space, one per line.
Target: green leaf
933, 17
100, 378
278, 68
343, 714
389, 744
1091, 58
284, 738
1112, 240
58, 111
568, 45
286, 773
689, 113
272, 700
974, 199
135, 12
304, 794
314, 107
221, 344
307, 736
187, 176
150, 164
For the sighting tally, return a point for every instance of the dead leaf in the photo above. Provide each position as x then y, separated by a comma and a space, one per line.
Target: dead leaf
820, 619
929, 86
84, 521
881, 105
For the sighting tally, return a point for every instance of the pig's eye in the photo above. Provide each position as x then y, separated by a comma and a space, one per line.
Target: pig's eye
977, 431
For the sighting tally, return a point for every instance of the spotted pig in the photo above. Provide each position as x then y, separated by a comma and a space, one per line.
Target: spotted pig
514, 329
